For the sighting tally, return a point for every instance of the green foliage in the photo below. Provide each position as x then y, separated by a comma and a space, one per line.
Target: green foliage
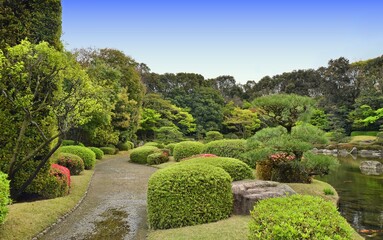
154, 144
319, 119
4, 196
237, 169
284, 109
36, 20
186, 149
328, 191
87, 155
241, 121
99, 153
108, 150
71, 161
56, 184
170, 146
364, 133
266, 134
301, 217
213, 135
318, 164
188, 194
125, 146
309, 133
233, 148
167, 135
140, 154
157, 158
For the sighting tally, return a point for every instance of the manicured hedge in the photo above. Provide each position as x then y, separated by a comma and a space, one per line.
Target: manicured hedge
187, 149
188, 194
99, 153
4, 196
71, 161
71, 143
297, 217
108, 150
140, 154
237, 169
125, 146
87, 155
157, 158
154, 144
233, 148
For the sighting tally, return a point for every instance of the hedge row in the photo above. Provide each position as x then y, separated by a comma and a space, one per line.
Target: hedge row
233, 148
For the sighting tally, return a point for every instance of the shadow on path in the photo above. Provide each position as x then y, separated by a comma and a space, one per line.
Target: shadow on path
115, 206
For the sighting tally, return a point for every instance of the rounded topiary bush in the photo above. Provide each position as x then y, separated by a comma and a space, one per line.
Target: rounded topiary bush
188, 194
4, 196
237, 169
301, 217
157, 158
108, 150
186, 149
57, 184
71, 161
99, 153
233, 148
213, 136
140, 154
87, 155
170, 146
125, 146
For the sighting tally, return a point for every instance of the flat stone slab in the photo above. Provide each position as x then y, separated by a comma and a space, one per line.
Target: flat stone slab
248, 192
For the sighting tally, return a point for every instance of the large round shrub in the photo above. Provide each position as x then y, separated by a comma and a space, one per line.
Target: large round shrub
125, 146
233, 148
297, 217
188, 194
99, 153
140, 154
237, 169
186, 149
4, 196
71, 161
87, 155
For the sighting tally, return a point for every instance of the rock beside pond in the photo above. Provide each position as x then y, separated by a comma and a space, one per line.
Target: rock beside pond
371, 168
247, 192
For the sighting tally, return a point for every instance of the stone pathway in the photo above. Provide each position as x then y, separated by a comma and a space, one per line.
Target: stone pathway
115, 206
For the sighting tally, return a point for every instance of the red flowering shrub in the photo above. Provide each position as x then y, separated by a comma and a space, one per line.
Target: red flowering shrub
61, 173
280, 157
73, 162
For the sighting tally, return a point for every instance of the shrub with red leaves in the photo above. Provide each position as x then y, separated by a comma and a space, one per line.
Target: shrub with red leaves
61, 173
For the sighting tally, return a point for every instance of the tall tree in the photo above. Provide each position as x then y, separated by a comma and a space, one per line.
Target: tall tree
36, 20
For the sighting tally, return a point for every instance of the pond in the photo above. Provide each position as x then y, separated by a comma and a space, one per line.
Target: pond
361, 196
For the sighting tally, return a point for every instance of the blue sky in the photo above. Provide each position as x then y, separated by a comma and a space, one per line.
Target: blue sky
245, 39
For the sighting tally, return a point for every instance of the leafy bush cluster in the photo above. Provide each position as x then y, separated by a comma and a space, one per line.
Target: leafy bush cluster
157, 158
108, 150
233, 148
71, 161
297, 217
154, 144
237, 169
125, 146
188, 194
99, 153
67, 142
213, 136
140, 154
170, 146
4, 196
364, 133
58, 182
187, 149
87, 155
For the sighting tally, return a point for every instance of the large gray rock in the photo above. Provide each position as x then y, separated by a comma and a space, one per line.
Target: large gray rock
371, 168
248, 192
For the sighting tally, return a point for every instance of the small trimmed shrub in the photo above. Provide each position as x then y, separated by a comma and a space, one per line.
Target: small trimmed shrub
57, 183
213, 136
108, 150
140, 154
188, 194
99, 153
157, 158
297, 217
87, 155
68, 142
125, 146
328, 191
4, 196
187, 149
233, 148
364, 133
237, 169
71, 161
154, 144
170, 146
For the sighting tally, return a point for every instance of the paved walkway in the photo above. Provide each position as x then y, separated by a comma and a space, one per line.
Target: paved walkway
115, 207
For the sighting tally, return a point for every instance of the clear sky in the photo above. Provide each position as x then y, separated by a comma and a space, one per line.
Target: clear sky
245, 39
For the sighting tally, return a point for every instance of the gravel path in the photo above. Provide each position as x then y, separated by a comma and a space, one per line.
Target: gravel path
115, 206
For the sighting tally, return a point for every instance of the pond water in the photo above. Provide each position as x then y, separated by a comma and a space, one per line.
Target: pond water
361, 196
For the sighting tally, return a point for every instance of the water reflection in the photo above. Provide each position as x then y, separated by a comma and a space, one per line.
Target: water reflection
361, 196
